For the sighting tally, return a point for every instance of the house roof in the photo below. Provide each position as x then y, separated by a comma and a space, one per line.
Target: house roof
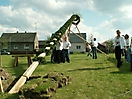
19, 37
76, 39
42, 42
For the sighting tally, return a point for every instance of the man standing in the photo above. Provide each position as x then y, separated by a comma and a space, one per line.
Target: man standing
59, 47
65, 50
94, 48
119, 44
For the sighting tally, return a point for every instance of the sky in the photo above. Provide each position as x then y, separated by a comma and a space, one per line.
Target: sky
99, 18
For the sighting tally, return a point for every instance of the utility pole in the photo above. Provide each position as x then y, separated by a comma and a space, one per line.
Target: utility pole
36, 27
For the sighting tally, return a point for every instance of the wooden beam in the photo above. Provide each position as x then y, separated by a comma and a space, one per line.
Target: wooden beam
24, 77
1, 87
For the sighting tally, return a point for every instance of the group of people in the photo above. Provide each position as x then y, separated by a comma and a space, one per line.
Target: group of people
122, 47
61, 51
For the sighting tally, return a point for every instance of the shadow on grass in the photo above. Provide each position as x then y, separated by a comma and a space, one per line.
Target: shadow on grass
13, 96
80, 69
125, 68
20, 69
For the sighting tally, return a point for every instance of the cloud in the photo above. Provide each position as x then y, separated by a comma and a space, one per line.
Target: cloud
120, 13
47, 16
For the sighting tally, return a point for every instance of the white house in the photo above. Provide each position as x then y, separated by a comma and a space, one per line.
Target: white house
78, 45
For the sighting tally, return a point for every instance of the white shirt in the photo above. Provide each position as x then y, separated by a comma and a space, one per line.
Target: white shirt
59, 46
127, 42
66, 44
89, 46
94, 43
119, 42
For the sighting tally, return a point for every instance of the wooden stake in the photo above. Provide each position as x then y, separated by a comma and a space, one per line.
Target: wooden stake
80, 33
1, 87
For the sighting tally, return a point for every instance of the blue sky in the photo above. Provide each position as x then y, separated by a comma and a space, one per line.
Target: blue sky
93, 18
99, 19
4, 2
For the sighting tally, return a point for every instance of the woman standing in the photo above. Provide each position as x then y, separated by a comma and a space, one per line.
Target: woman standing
119, 44
127, 51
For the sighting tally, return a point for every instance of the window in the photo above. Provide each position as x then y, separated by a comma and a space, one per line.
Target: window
78, 47
26, 47
15, 47
5, 48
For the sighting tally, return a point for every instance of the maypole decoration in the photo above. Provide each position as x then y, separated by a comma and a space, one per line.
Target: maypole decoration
50, 44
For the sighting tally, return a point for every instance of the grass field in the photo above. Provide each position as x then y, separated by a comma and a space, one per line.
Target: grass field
91, 79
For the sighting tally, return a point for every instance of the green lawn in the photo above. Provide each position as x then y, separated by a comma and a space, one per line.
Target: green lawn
91, 79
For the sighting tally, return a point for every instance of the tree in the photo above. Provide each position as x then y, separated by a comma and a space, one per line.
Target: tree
109, 43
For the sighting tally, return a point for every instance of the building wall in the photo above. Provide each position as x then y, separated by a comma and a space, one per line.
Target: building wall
78, 47
21, 48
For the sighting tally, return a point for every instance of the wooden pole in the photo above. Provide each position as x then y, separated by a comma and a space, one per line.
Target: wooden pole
1, 87
80, 33
24, 77
89, 43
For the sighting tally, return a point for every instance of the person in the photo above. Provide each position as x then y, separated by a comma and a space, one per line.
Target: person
89, 50
53, 55
127, 51
107, 49
94, 48
59, 47
119, 45
65, 50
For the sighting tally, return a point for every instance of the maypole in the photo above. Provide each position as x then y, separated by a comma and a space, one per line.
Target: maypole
50, 44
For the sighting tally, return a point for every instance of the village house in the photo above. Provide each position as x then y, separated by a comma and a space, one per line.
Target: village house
20, 43
78, 45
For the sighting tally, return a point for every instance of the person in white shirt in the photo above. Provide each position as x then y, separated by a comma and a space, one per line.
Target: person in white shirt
119, 45
59, 47
89, 50
65, 50
94, 48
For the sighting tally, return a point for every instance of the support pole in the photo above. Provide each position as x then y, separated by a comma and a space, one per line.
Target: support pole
1, 87
89, 43
80, 34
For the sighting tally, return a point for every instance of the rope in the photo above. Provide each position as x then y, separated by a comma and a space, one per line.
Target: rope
120, 94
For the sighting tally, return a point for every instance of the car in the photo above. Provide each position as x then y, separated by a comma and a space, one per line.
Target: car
4, 52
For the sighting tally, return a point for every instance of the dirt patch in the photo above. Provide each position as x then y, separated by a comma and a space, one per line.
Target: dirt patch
45, 89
